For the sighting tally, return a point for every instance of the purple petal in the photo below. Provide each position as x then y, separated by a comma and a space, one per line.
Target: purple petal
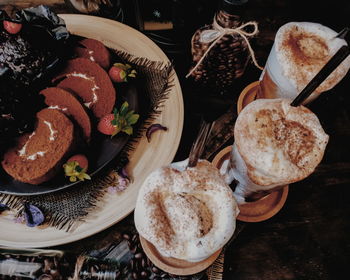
19, 219
153, 128
112, 190
121, 188
33, 215
123, 173
123, 183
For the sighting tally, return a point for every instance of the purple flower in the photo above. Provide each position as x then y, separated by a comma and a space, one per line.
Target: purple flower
123, 173
33, 215
121, 183
19, 219
112, 190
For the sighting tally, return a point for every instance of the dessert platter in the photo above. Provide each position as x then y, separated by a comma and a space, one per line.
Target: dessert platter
55, 131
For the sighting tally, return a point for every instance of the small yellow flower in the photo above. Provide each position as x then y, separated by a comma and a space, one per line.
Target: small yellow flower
74, 171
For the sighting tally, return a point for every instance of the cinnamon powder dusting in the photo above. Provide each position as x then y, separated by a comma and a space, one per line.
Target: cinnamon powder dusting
305, 50
160, 223
296, 140
305, 47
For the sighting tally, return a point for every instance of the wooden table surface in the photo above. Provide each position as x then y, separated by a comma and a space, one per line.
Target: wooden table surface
310, 237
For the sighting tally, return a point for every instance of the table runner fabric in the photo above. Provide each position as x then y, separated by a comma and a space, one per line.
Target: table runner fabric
65, 208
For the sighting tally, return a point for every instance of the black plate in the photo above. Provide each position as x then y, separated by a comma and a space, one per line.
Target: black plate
101, 151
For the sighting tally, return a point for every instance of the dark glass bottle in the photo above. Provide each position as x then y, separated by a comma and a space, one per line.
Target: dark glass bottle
228, 58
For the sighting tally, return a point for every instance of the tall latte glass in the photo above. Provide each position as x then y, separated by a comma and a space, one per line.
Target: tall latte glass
299, 52
275, 145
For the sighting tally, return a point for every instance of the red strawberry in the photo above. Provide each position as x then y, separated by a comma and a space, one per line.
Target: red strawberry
120, 72
105, 125
12, 27
117, 74
81, 159
120, 121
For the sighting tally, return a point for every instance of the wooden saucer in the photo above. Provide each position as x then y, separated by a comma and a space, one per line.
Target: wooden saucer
247, 95
262, 209
175, 266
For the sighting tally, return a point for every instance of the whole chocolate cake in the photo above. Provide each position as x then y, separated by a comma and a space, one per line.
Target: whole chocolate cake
22, 57
18, 106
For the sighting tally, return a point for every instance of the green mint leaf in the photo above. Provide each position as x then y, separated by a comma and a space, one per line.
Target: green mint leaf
133, 119
116, 120
128, 130
120, 66
123, 75
129, 114
116, 131
124, 108
124, 119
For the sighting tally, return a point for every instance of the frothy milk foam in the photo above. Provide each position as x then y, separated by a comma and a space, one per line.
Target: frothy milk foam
299, 52
275, 144
186, 213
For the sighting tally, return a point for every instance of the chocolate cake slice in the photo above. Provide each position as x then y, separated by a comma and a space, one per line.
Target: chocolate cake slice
65, 101
95, 51
38, 156
90, 82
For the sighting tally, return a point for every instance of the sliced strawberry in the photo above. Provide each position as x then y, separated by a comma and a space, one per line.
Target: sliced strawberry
117, 74
81, 159
105, 125
12, 27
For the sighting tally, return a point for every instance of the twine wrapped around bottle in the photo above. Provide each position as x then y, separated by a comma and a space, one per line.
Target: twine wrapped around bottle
214, 35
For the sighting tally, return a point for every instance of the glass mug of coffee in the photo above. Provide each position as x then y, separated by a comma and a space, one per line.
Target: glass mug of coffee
299, 52
275, 144
185, 215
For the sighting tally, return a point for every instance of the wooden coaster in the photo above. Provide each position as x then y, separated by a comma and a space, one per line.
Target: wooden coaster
262, 209
247, 95
175, 266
